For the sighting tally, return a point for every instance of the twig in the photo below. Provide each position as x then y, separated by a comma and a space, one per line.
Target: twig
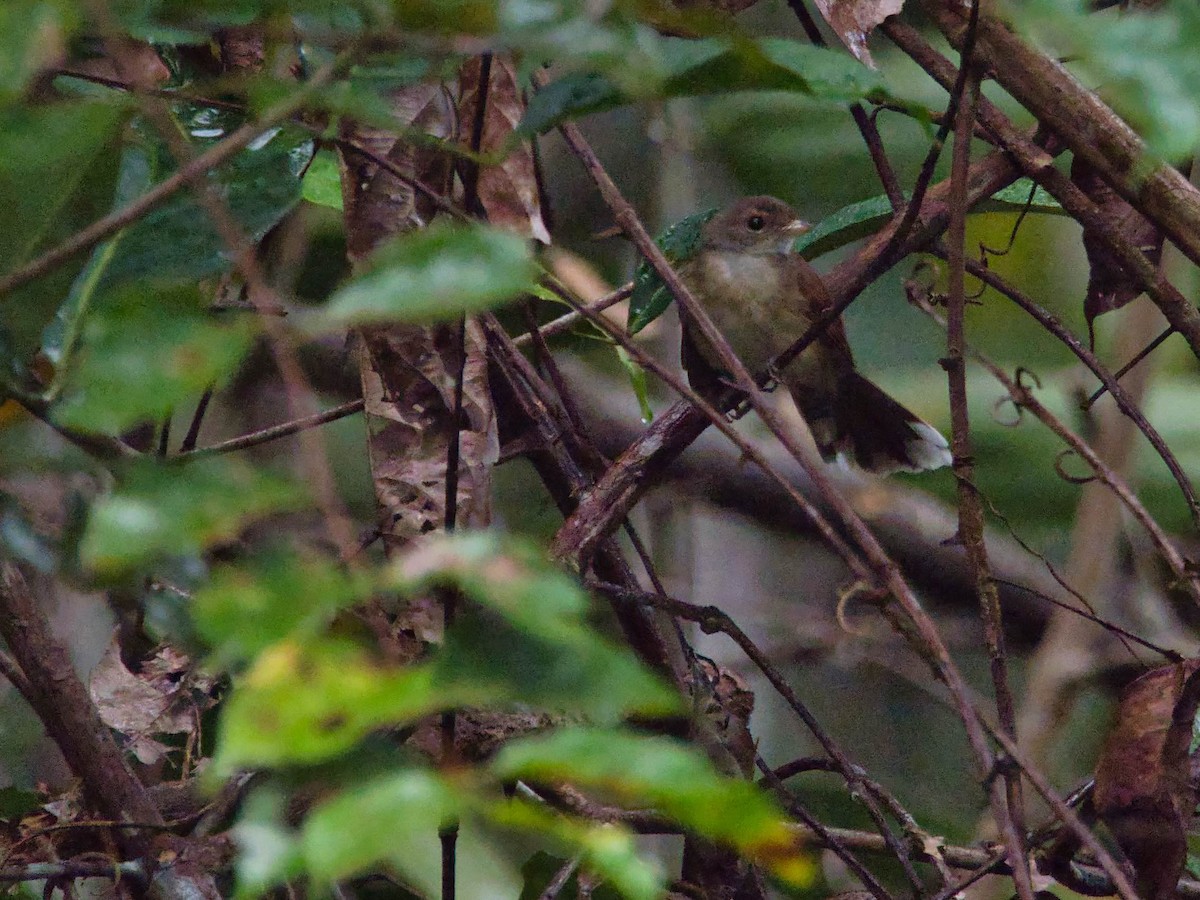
278, 431
573, 318
970, 509
925, 634
1129, 366
103, 447
193, 432
560, 879
1023, 398
133, 869
62, 703
830, 840
1120, 395
1038, 164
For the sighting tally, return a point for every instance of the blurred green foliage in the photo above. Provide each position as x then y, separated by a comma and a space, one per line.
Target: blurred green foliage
120, 337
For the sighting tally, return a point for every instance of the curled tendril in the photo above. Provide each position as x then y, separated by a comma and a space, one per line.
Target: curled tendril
1022, 379
1064, 474
1022, 373
1018, 411
859, 590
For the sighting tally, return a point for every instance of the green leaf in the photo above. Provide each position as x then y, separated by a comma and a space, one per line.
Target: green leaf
858, 220
670, 776
46, 153
575, 670
650, 297
307, 702
178, 240
432, 274
394, 819
172, 509
1143, 63
245, 608
713, 65
323, 181
146, 350
637, 378
609, 850
269, 852
32, 34
508, 576
552, 659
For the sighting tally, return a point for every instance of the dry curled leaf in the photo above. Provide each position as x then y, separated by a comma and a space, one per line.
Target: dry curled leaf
165, 698
854, 20
408, 377
1145, 791
377, 203
508, 191
1110, 284
408, 372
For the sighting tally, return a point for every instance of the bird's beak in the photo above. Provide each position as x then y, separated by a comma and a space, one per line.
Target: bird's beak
796, 227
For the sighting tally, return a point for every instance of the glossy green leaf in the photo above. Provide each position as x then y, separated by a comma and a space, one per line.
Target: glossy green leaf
858, 220
323, 181
46, 153
670, 776
178, 240
143, 352
709, 66
650, 297
433, 274
169, 509
245, 608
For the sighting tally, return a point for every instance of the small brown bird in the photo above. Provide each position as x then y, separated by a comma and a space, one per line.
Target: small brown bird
762, 297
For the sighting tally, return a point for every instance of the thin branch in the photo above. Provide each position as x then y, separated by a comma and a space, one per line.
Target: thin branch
275, 432
1100, 137
1023, 398
573, 318
62, 702
101, 446
1120, 395
69, 869
1009, 804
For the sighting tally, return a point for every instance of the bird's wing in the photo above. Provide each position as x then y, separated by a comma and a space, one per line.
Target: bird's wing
812, 287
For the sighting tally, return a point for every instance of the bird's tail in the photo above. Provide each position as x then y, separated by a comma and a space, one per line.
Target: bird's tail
871, 429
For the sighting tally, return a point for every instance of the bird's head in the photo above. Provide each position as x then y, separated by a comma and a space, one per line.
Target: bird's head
762, 226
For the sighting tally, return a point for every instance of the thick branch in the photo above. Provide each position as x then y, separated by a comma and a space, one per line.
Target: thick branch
1095, 134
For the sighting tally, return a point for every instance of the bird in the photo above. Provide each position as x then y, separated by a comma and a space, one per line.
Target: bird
763, 296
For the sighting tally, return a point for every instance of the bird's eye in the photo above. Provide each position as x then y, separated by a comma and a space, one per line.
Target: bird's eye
755, 223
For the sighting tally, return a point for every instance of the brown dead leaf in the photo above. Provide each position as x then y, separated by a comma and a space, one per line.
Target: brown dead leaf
408, 379
1110, 285
1144, 787
167, 697
508, 191
377, 203
408, 373
854, 20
